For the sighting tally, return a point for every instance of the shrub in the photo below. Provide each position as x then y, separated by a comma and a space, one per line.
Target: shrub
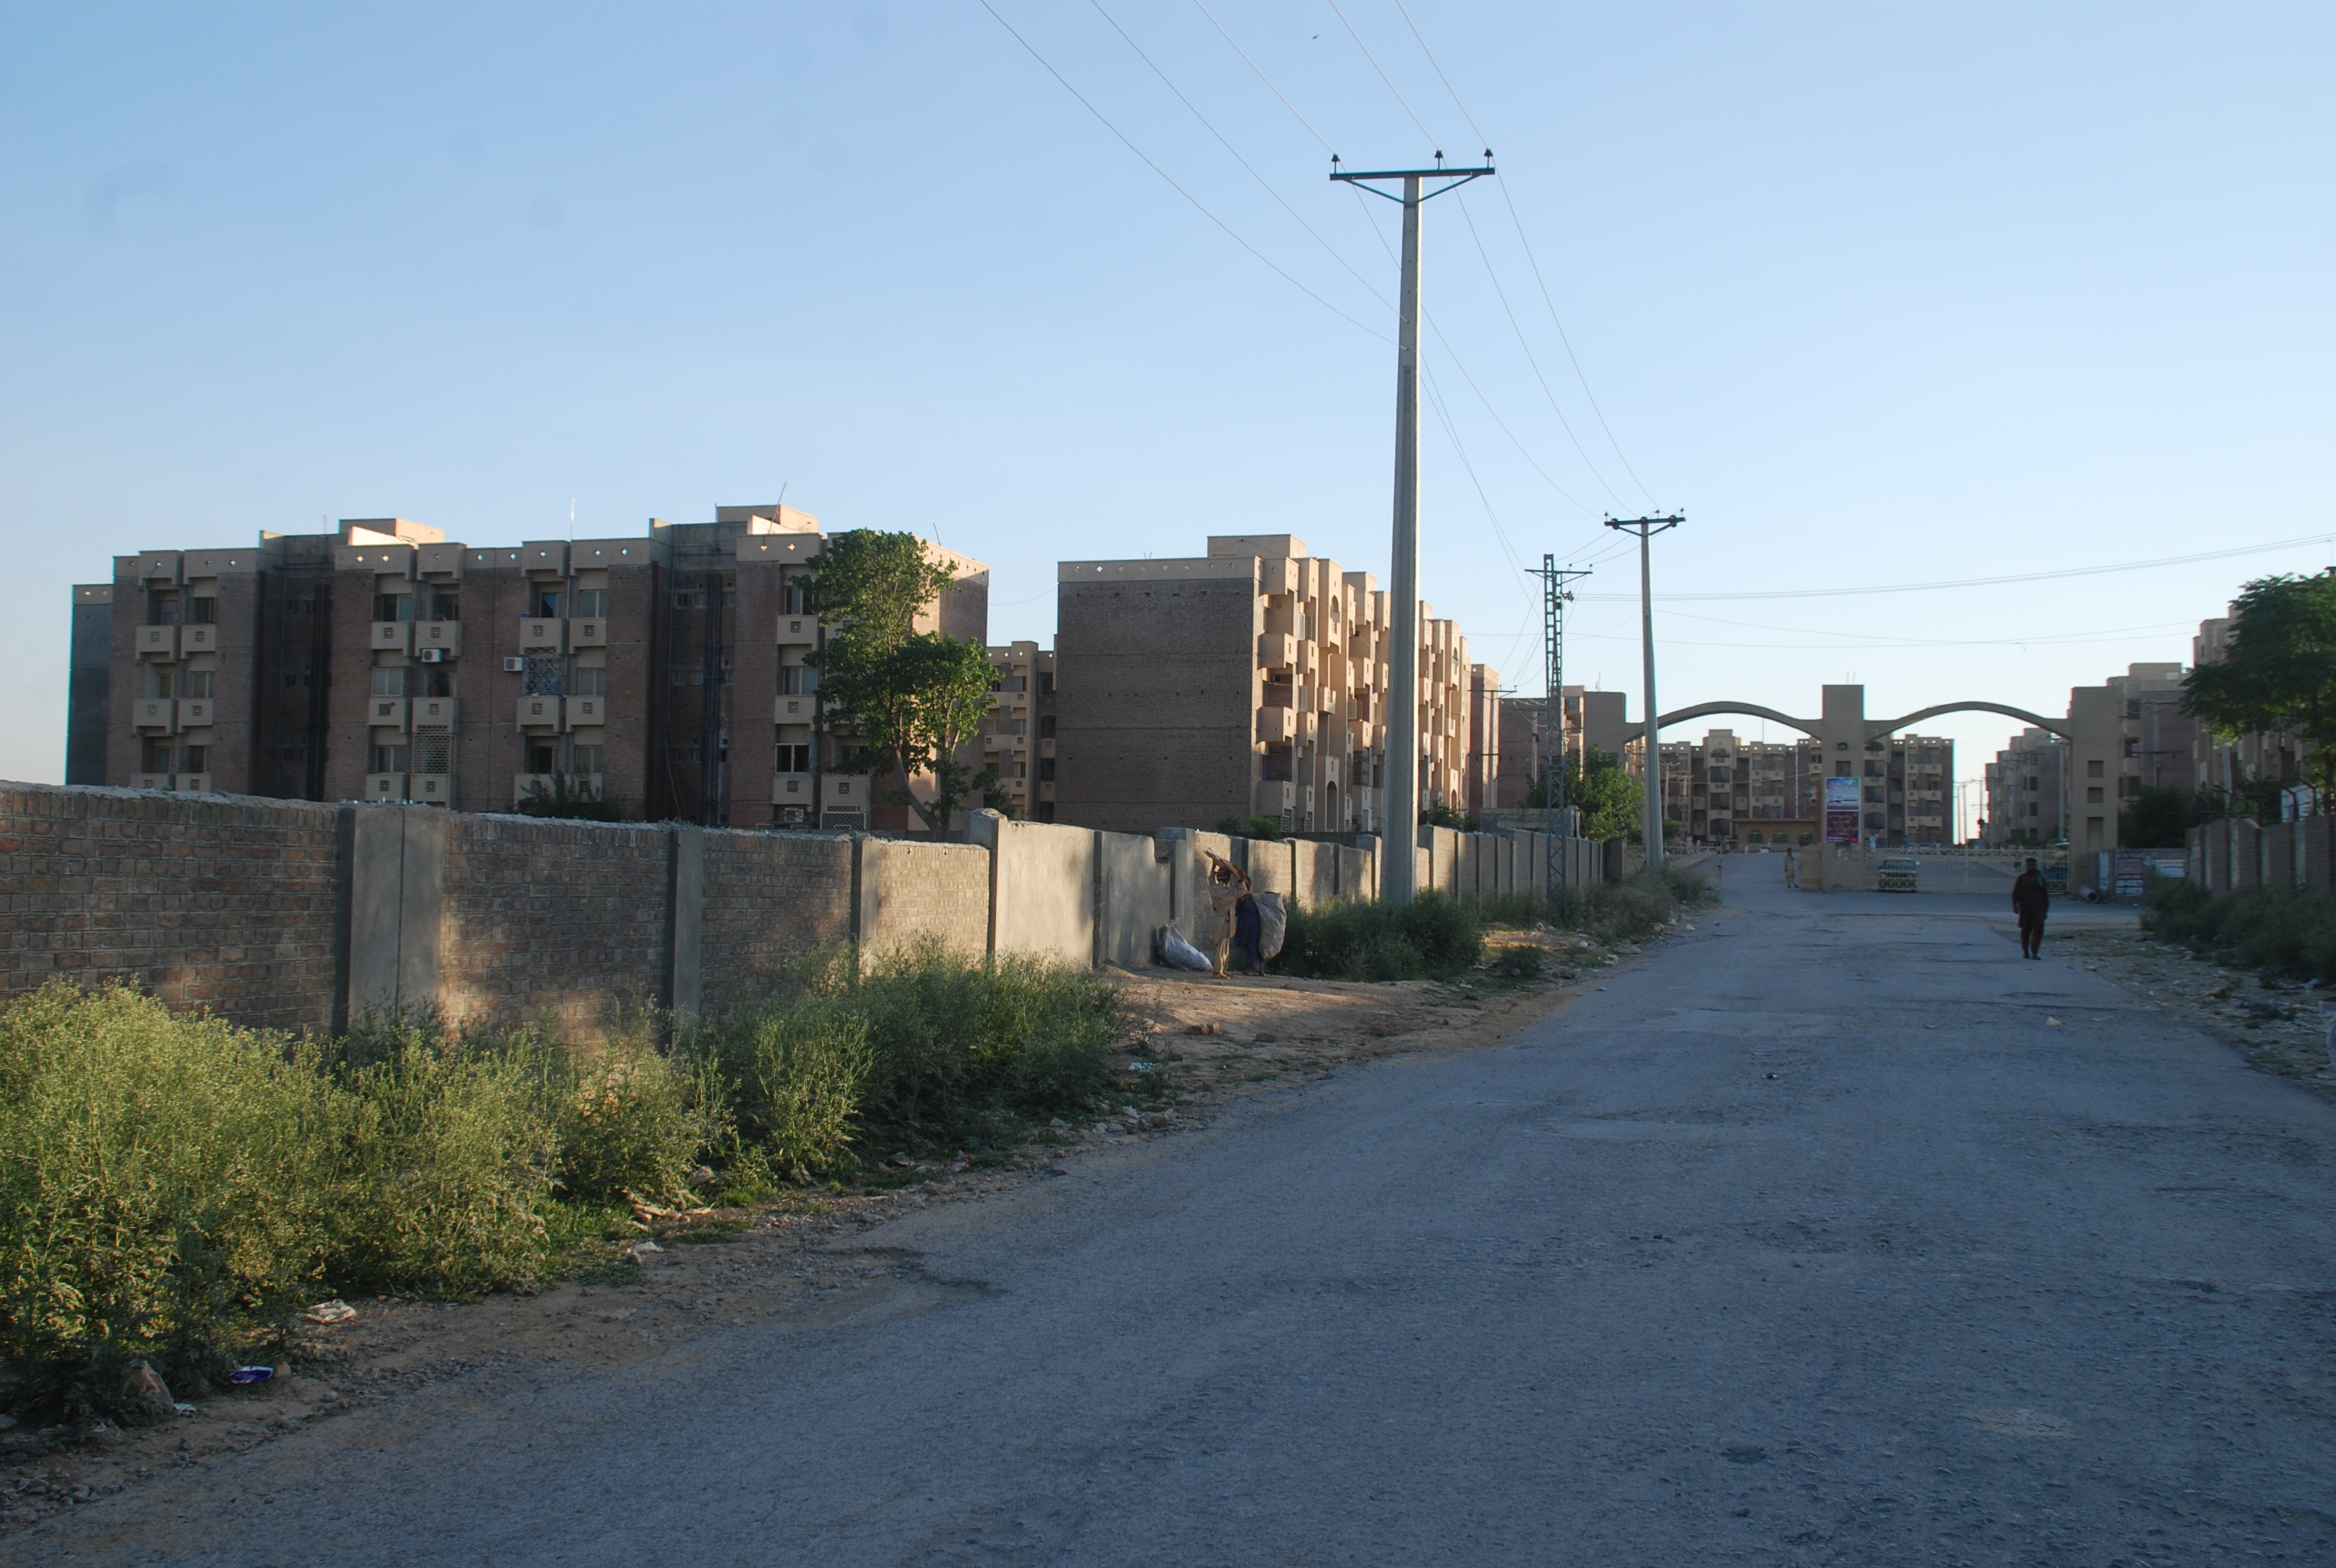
163, 1178
2292, 931
1517, 963
794, 1073
449, 1154
633, 1119
1265, 826
1433, 936
1641, 904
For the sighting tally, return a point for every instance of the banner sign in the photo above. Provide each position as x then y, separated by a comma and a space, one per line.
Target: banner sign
1841, 811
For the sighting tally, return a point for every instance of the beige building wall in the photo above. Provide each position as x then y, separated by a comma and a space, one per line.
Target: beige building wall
1018, 738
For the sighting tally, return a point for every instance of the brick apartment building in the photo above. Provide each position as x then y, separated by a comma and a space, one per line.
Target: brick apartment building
1723, 789
1595, 718
2027, 788
383, 662
1249, 681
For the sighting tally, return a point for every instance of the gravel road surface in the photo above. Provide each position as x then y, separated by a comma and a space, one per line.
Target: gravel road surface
1831, 1233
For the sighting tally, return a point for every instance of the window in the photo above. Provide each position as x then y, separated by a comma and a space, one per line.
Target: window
201, 612
199, 684
389, 759
587, 759
792, 758
544, 678
2093, 796
1047, 726
1021, 683
437, 680
392, 607
589, 604
547, 603
542, 756
798, 680
2093, 770
161, 610
592, 683
445, 604
156, 757
433, 750
795, 598
1046, 683
1046, 770
389, 680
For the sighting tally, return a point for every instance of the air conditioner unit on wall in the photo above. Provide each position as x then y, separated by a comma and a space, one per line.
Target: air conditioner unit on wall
514, 665
433, 656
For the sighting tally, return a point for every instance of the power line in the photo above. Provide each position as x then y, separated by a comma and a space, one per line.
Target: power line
1998, 581
1503, 295
1391, 87
1531, 260
1244, 162
1171, 184
1261, 76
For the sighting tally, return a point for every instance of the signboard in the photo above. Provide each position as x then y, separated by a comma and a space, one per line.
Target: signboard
2125, 874
1841, 806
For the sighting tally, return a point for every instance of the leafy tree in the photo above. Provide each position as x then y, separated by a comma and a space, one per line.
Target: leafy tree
570, 795
2279, 673
2161, 817
1610, 798
910, 698
1257, 827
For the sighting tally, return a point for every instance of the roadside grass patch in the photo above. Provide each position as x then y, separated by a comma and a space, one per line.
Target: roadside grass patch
1433, 936
2289, 932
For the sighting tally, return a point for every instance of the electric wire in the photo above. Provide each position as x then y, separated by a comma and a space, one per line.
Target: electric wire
1391, 87
1171, 184
1261, 76
1503, 295
1531, 259
1244, 162
1991, 581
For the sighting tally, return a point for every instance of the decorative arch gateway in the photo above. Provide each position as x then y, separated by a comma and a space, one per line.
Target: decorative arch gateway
1874, 728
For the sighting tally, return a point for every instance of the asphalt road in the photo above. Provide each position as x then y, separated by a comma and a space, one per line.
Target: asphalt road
1813, 1239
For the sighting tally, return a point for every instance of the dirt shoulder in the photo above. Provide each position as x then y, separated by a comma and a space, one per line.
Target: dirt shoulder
2278, 1027
1199, 1044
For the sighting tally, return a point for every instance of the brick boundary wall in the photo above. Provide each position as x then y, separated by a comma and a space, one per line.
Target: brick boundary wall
296, 915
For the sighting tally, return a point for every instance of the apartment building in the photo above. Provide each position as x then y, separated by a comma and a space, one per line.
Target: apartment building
2026, 787
1596, 719
1723, 789
1018, 738
383, 662
1252, 680
2111, 727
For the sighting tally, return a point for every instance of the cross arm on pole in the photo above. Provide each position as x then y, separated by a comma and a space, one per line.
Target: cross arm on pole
1362, 179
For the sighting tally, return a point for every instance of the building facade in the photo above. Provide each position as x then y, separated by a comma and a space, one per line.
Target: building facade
2026, 790
1595, 719
1018, 738
383, 662
1249, 681
1725, 790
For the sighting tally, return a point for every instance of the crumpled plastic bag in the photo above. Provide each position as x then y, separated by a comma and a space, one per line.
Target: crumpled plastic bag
1176, 953
1272, 925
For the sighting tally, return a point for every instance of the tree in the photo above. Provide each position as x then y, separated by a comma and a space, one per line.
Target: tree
909, 697
570, 795
2279, 672
1608, 797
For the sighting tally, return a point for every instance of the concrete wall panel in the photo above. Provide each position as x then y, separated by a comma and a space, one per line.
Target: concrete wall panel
1041, 887
1132, 898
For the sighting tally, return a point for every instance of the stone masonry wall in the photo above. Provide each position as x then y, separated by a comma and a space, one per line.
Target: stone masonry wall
555, 917
221, 902
912, 891
769, 899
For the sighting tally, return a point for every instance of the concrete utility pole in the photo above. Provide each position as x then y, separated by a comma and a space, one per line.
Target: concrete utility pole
1400, 830
1651, 825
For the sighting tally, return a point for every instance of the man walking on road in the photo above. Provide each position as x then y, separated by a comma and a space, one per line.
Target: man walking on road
2029, 902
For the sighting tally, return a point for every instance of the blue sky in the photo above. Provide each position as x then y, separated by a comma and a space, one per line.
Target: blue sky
1877, 295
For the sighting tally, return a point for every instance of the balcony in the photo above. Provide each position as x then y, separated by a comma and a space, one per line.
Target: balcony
1275, 650
1047, 747
1277, 724
154, 716
150, 781
586, 710
1046, 789
794, 710
542, 635
446, 636
540, 713
392, 636
593, 633
433, 789
158, 642
791, 789
435, 712
193, 784
197, 712
386, 712
198, 639
385, 786
798, 631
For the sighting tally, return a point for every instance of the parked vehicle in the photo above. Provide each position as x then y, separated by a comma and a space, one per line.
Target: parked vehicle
1897, 876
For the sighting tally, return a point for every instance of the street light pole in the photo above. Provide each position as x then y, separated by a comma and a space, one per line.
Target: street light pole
1651, 825
1400, 785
